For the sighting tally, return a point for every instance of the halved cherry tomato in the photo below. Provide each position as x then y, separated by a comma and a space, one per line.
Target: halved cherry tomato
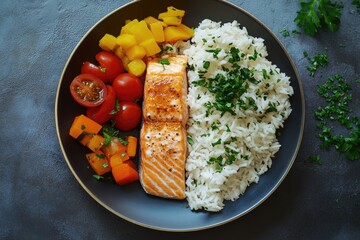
128, 87
103, 113
109, 67
112, 64
88, 90
128, 116
97, 71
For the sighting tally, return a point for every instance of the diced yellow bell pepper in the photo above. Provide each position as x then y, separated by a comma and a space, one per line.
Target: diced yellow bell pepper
108, 42
136, 67
173, 34
141, 31
125, 29
189, 31
119, 51
175, 11
125, 61
172, 21
172, 12
135, 52
157, 30
126, 40
151, 47
127, 21
149, 20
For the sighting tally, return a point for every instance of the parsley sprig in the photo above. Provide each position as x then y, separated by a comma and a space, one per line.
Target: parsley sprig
317, 14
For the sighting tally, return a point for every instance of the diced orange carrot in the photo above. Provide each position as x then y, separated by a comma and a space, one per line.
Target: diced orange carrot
98, 162
115, 146
131, 163
82, 124
118, 158
96, 142
131, 147
124, 173
85, 138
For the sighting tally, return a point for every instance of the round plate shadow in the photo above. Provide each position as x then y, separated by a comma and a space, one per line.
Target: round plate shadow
131, 202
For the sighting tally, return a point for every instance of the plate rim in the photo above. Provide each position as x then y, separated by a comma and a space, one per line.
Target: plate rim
258, 203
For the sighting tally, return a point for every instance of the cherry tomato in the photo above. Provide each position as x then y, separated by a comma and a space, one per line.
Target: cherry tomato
109, 66
128, 116
97, 71
103, 113
112, 64
128, 87
88, 90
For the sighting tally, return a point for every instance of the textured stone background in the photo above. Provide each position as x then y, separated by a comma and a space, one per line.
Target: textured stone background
39, 197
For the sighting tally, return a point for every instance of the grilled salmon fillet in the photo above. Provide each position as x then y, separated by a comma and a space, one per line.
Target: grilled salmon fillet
165, 91
163, 155
163, 140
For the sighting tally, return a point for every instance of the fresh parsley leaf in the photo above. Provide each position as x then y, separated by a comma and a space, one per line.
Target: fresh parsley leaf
317, 14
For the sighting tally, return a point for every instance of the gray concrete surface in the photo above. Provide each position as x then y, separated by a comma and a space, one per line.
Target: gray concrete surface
39, 197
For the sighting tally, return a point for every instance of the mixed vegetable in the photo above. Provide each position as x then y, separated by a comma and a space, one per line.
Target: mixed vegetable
111, 91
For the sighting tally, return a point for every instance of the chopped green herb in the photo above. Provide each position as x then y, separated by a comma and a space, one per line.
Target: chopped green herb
101, 155
217, 142
117, 108
254, 57
319, 60
337, 94
164, 61
123, 141
98, 177
206, 65
83, 127
285, 32
227, 128
271, 108
214, 126
190, 140
215, 52
265, 75
315, 159
167, 48
103, 69
109, 131
105, 165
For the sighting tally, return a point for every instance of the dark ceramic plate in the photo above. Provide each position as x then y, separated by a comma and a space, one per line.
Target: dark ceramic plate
130, 202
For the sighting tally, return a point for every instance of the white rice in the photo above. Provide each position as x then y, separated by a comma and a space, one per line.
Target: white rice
253, 130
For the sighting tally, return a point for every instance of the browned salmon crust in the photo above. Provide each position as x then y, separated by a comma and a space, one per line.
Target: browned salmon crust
163, 141
166, 91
